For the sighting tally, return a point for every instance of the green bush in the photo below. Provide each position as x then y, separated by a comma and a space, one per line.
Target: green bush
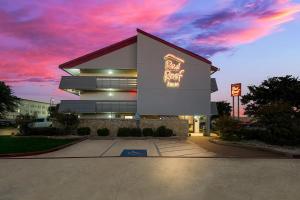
229, 128
169, 132
83, 131
135, 132
123, 132
103, 132
148, 132
162, 131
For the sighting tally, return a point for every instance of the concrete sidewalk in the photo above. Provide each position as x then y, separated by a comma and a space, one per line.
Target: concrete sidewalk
149, 179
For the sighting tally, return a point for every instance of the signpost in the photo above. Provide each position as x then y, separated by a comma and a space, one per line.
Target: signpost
236, 91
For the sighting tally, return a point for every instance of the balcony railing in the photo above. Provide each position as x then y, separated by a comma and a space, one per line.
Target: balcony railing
94, 106
97, 83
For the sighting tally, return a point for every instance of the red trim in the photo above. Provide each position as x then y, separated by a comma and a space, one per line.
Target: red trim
98, 53
174, 46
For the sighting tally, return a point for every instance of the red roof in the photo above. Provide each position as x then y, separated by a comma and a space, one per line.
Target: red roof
124, 43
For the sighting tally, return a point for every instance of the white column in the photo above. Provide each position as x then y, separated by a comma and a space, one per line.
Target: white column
207, 126
196, 124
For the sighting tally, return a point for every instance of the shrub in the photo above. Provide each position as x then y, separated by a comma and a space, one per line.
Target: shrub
69, 121
103, 132
123, 132
229, 128
23, 121
148, 132
136, 132
162, 131
169, 132
84, 131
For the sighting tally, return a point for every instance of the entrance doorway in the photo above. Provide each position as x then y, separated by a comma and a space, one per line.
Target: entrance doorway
196, 123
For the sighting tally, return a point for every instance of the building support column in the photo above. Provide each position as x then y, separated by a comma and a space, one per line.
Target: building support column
207, 126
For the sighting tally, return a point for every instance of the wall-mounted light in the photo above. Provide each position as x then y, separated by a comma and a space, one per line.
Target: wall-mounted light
110, 72
110, 94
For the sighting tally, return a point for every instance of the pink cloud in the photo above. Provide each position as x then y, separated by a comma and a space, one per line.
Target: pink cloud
36, 36
246, 26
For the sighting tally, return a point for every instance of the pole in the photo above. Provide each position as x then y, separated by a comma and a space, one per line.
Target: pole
233, 106
238, 107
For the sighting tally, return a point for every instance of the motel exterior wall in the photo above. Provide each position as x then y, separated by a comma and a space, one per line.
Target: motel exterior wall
124, 58
192, 97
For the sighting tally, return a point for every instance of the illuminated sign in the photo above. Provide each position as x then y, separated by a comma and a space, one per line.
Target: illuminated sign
236, 89
173, 72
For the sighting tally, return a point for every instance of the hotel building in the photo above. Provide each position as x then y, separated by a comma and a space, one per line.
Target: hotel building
141, 77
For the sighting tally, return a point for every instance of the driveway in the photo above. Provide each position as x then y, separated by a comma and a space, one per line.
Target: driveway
152, 178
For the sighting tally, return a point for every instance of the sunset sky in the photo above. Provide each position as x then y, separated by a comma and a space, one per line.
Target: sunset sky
248, 40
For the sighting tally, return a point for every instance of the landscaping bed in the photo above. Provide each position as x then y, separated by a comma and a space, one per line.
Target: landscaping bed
18, 145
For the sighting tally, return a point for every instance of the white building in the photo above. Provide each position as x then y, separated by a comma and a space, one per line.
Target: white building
31, 107
141, 76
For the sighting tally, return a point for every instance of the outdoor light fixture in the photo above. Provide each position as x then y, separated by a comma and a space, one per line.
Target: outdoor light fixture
110, 94
110, 72
173, 72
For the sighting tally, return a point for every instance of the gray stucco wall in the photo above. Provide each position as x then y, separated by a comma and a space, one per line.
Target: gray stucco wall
124, 58
192, 97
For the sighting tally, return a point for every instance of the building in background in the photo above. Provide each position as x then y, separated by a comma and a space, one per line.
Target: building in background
30, 107
143, 77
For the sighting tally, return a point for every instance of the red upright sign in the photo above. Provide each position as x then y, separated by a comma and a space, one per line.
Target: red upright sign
236, 89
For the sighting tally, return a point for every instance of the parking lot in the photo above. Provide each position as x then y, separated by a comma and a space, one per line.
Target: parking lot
114, 148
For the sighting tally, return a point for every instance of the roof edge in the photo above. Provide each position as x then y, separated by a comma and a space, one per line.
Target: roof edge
98, 53
175, 47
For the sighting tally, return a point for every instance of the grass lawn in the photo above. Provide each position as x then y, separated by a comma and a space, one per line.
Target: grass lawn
10, 144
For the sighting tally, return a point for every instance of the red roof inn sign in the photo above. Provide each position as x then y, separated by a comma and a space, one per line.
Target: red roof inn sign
173, 70
236, 91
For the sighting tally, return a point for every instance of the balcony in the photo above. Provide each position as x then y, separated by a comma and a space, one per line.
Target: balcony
73, 83
213, 85
94, 106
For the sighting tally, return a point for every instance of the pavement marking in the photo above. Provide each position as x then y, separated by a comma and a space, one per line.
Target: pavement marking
157, 149
179, 150
104, 152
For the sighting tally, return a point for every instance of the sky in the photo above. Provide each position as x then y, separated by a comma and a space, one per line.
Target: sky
249, 40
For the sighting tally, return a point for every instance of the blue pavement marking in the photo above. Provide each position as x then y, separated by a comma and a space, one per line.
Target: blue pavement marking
134, 153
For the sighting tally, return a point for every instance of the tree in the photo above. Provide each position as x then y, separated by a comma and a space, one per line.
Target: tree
8, 102
224, 108
53, 110
275, 104
277, 89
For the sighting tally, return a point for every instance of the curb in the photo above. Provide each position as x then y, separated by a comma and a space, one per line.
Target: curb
41, 152
249, 146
